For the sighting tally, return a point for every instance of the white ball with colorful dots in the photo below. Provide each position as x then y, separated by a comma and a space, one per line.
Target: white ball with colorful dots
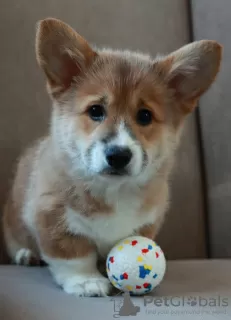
136, 264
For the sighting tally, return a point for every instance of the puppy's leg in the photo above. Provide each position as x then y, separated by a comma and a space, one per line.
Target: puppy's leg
20, 245
19, 252
148, 231
79, 276
72, 259
26, 257
151, 230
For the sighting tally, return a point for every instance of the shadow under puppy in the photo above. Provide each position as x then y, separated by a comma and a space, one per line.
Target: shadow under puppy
102, 172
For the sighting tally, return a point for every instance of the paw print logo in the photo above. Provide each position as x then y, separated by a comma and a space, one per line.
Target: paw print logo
192, 301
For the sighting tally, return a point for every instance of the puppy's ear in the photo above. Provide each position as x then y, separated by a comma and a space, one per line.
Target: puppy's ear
191, 70
62, 53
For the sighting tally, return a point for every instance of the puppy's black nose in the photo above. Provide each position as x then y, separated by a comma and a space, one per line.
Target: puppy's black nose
118, 157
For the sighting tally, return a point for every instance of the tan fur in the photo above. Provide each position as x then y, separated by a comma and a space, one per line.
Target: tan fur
148, 231
155, 195
56, 241
16, 233
88, 205
54, 194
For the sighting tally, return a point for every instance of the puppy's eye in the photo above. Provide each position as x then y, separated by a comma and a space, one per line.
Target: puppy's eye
144, 117
97, 112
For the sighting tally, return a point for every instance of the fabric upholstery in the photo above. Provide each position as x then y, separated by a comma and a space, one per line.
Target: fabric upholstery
150, 26
211, 19
29, 293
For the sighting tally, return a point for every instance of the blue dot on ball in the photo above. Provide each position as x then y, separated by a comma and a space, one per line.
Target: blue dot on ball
143, 272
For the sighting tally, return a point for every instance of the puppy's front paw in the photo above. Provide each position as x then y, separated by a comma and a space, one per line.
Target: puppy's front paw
88, 286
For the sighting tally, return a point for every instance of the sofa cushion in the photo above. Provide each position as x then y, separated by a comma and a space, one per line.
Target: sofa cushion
211, 20
190, 290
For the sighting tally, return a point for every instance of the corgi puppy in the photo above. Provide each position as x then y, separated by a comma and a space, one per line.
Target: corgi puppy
101, 174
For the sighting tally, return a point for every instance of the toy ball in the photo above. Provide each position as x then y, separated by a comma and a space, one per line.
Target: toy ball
136, 264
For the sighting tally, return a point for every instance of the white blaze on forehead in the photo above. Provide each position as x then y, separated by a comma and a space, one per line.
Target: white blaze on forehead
123, 137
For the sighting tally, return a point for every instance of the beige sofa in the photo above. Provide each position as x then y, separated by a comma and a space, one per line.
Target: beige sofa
196, 234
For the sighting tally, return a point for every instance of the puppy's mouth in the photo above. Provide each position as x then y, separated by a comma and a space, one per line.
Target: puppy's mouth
115, 173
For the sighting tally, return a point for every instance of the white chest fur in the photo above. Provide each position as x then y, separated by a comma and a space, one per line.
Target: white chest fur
107, 229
